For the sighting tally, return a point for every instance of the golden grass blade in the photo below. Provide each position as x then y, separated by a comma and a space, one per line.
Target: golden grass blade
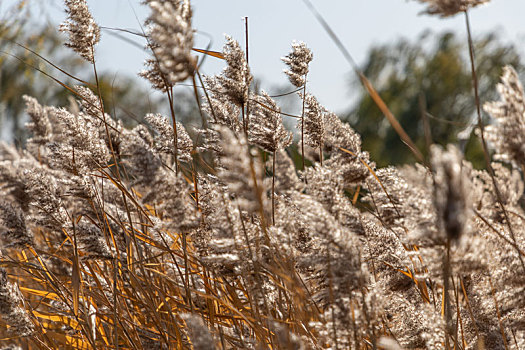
210, 53
391, 118
40, 293
75, 284
356, 195
126, 193
58, 318
69, 342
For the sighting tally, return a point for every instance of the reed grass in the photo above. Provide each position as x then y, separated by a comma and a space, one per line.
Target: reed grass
117, 238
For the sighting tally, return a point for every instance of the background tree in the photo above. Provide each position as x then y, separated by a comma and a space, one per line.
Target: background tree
431, 74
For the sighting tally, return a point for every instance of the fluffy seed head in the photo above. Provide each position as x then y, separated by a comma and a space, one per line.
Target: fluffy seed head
507, 134
171, 40
13, 228
314, 128
10, 309
83, 32
446, 8
235, 78
40, 126
266, 125
236, 172
452, 200
298, 61
164, 139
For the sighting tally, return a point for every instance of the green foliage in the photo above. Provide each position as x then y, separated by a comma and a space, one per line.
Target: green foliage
432, 74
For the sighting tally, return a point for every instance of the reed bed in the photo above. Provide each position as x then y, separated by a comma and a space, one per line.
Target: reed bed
144, 238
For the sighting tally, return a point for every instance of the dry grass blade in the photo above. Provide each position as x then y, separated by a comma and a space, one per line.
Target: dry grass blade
210, 53
76, 284
52, 64
391, 118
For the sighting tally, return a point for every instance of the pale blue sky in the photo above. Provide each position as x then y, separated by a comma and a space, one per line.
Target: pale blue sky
274, 24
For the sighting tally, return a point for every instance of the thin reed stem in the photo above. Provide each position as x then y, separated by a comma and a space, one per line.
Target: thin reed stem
244, 121
247, 104
482, 136
169, 92
302, 128
446, 296
273, 188
321, 153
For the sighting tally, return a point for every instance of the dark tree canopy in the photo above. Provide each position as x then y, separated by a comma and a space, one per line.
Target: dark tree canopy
432, 74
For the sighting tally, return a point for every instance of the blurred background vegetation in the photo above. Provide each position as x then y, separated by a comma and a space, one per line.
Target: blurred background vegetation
125, 97
433, 76
430, 75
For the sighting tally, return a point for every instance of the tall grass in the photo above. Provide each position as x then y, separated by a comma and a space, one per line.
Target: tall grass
144, 238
